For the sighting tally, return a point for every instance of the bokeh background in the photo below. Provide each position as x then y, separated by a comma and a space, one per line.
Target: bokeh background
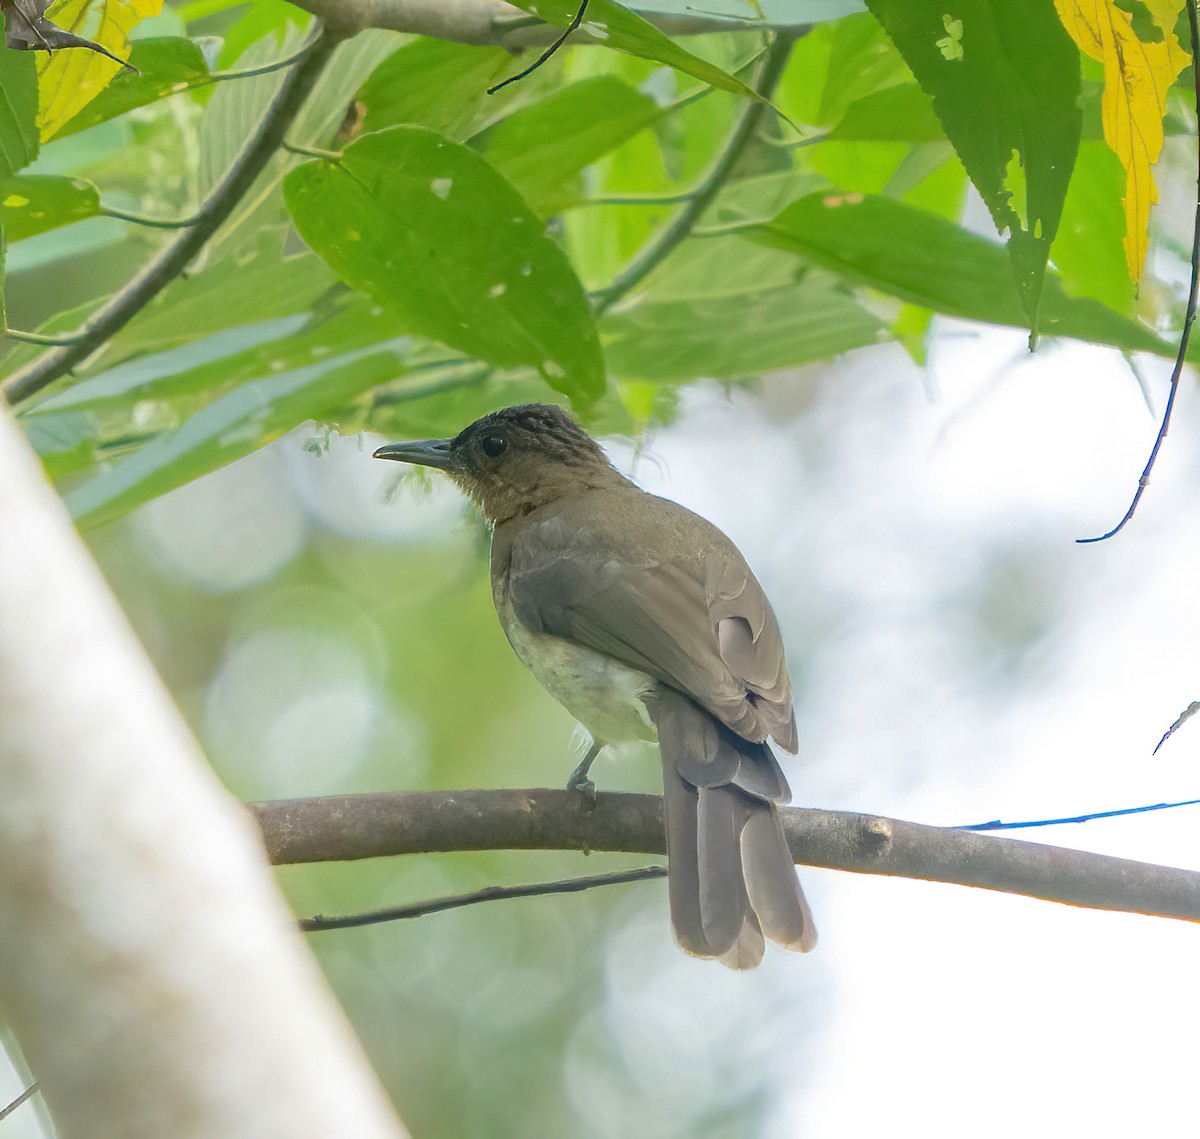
326, 625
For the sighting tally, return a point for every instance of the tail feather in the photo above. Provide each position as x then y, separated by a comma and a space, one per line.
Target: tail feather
723, 898
771, 882
747, 951
731, 875
682, 814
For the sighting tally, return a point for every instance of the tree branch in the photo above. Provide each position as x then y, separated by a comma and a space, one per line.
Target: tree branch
173, 258
345, 827
493, 23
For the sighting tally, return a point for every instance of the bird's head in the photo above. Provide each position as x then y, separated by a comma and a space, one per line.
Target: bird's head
514, 460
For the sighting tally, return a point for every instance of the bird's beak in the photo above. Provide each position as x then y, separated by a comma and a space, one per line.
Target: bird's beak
424, 452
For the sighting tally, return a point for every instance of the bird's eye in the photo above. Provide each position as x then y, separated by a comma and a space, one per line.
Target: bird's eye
494, 445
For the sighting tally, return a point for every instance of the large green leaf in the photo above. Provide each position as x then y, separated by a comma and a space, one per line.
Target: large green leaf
542, 148
433, 83
236, 108
1004, 79
249, 417
903, 113
730, 337
208, 368
36, 203
256, 286
616, 26
836, 65
1089, 251
427, 226
931, 262
165, 67
18, 110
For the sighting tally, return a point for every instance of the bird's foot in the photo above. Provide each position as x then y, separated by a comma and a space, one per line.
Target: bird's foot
584, 786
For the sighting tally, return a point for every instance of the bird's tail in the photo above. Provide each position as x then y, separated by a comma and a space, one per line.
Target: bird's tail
732, 880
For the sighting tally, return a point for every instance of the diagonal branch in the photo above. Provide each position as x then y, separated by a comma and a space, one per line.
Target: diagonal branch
173, 258
681, 225
345, 827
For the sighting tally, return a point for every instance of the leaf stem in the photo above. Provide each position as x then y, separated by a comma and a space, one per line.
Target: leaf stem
146, 220
173, 258
679, 227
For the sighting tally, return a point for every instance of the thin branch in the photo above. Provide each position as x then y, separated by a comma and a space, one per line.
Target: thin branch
1180, 720
1190, 315
998, 825
174, 257
487, 894
680, 226
575, 22
346, 827
5, 1112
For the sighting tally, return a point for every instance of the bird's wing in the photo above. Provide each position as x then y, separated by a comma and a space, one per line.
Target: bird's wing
664, 592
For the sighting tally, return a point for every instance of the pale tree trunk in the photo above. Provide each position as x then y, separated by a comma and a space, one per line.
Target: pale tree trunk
148, 965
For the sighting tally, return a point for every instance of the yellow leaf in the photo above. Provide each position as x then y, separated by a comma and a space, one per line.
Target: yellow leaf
1137, 77
71, 78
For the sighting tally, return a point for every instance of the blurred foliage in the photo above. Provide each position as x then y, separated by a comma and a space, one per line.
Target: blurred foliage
427, 252
454, 218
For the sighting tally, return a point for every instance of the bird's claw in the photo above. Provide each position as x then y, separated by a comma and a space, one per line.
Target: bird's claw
585, 787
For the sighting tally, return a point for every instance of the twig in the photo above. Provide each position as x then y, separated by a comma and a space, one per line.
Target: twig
346, 827
680, 226
487, 894
578, 19
1180, 720
173, 258
997, 825
44, 338
146, 220
1190, 315
5, 1112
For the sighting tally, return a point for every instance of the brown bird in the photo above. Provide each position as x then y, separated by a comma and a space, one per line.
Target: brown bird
645, 622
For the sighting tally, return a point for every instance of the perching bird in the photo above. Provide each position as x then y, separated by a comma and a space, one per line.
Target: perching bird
645, 622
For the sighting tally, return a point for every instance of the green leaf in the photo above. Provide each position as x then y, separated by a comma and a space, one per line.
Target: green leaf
903, 113
542, 147
432, 83
247, 418
928, 261
616, 26
210, 367
258, 285
236, 108
18, 111
732, 337
36, 203
1089, 251
836, 65
427, 226
1004, 79
165, 67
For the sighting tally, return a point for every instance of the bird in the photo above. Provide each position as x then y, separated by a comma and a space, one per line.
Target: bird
646, 623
